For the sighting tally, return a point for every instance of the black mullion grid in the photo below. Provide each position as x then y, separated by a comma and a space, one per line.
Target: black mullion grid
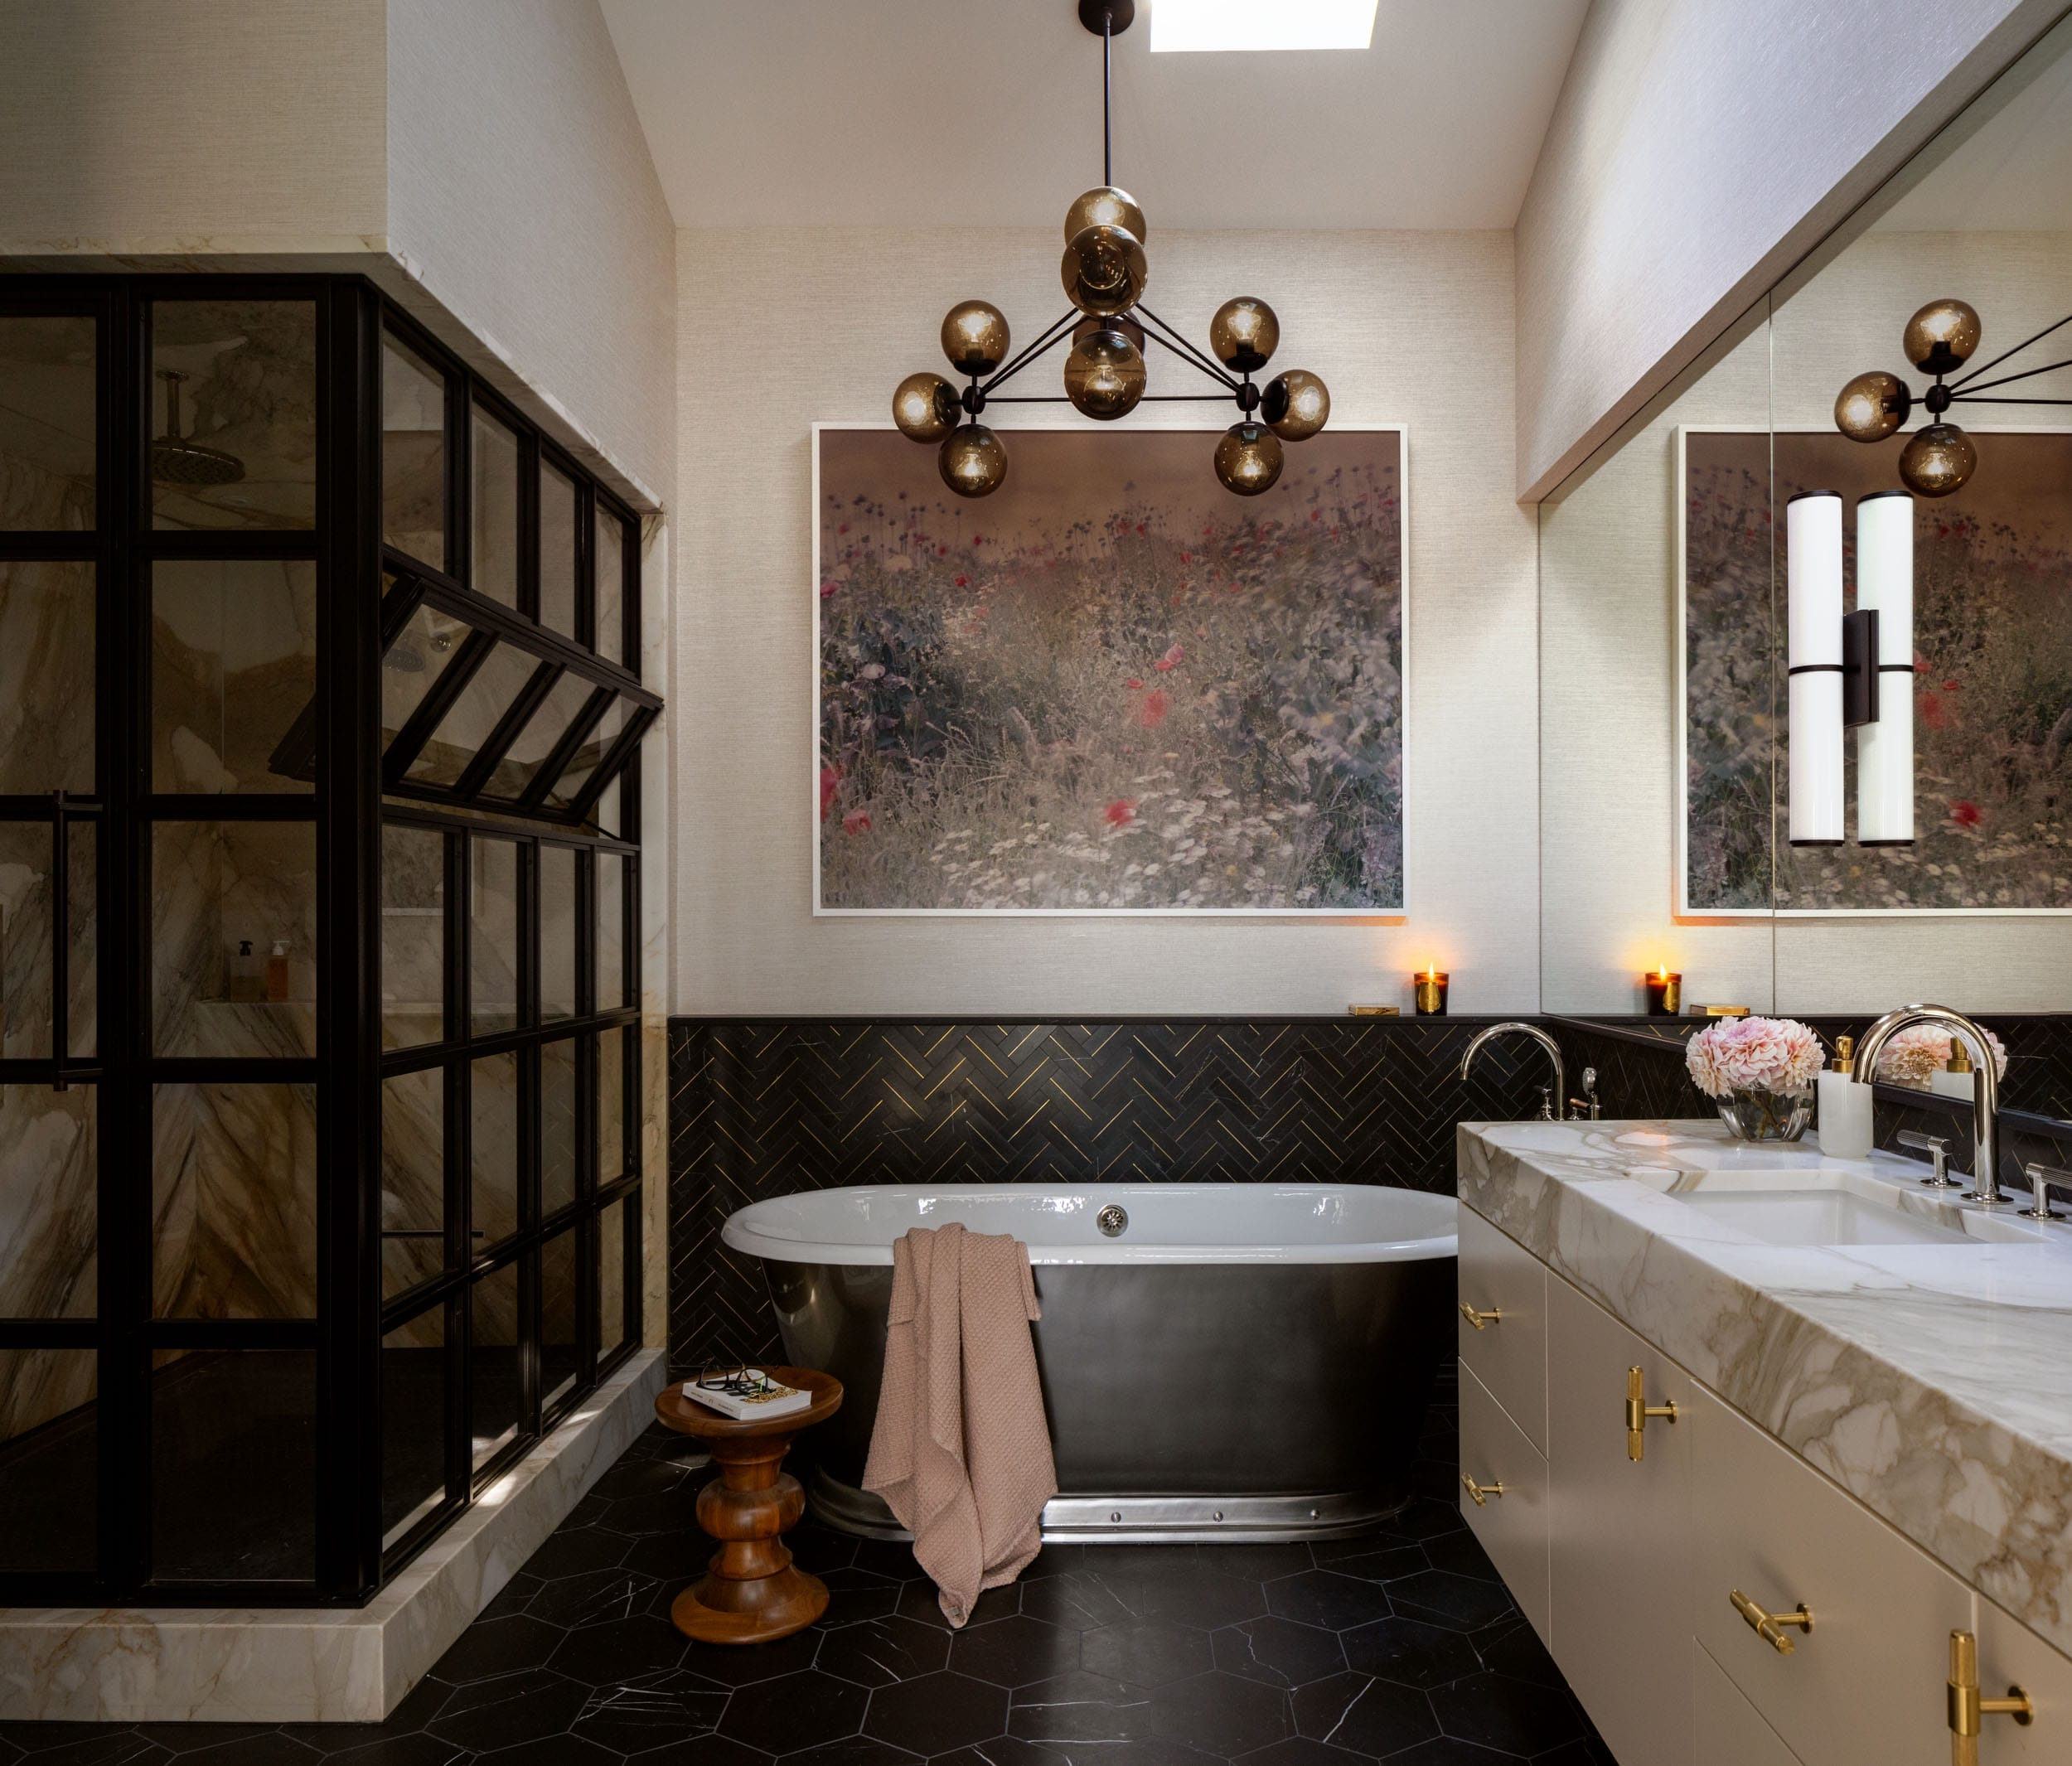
629, 578
533, 796
485, 614
586, 561
507, 730
439, 698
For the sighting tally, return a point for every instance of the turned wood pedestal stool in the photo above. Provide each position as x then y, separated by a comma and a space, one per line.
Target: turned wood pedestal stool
753, 1592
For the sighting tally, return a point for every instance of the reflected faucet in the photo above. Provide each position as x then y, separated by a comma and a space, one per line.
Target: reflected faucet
1548, 1112
1985, 1163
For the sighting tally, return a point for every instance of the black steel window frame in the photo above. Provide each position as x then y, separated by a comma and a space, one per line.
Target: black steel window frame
346, 808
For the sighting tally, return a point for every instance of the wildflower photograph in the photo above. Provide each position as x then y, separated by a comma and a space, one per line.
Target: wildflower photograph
1111, 686
1991, 685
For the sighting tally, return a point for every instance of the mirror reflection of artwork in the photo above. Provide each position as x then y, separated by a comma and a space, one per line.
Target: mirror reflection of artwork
1992, 682
1114, 686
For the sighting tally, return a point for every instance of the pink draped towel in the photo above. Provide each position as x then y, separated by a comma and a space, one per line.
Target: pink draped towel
960, 1450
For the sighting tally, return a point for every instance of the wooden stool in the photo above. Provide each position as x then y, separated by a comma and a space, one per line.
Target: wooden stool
752, 1593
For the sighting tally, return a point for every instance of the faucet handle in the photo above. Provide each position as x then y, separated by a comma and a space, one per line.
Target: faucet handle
1546, 1104
2042, 1179
1937, 1147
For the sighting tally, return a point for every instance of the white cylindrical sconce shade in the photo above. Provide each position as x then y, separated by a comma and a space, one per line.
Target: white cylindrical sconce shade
1813, 581
1884, 749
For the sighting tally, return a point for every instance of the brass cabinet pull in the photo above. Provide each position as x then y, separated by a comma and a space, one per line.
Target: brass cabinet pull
1481, 1320
1637, 1411
1481, 1493
1967, 1709
1769, 1626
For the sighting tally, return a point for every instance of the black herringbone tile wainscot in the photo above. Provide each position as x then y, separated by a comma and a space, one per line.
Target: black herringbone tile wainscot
767, 1107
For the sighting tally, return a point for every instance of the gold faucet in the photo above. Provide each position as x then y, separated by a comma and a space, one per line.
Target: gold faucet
1985, 1164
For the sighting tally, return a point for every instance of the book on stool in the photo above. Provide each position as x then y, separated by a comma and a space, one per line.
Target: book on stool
751, 1396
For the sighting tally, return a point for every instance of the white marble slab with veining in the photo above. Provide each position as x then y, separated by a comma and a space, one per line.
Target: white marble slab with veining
1933, 1381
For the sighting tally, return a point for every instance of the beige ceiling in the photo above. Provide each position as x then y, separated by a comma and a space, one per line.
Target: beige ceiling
917, 112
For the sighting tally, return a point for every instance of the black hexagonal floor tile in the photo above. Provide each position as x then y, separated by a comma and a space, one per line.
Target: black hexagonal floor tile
1325, 1598
859, 1750
1080, 1706
1017, 1651
883, 1652
1207, 1599
494, 1646
1410, 1652
805, 1710
1222, 1713
937, 1712
918, 1599
603, 1655
571, 1550
502, 1713
1514, 1649
1146, 1652
1515, 1717
1278, 1651
1367, 1716
1457, 1602
1300, 1750
735, 1666
648, 1711
1445, 1751
591, 1598
1084, 1599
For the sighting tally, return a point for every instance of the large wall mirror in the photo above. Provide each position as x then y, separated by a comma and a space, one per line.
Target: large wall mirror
1668, 589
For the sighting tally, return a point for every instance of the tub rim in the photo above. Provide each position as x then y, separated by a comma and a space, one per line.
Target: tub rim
742, 1232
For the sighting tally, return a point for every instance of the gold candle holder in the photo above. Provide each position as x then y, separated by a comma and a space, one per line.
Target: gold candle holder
1431, 992
1665, 994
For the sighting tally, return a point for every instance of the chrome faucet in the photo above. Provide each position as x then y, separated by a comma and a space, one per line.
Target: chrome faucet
1548, 1113
1985, 1162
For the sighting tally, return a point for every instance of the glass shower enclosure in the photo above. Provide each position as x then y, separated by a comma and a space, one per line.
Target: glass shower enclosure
320, 719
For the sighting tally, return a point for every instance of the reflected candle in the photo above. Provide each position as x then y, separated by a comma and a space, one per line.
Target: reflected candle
1431, 993
1665, 993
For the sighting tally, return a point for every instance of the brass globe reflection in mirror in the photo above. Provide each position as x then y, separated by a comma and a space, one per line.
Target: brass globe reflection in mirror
974, 337
1873, 406
1104, 270
1114, 322
925, 407
1295, 405
1244, 333
1104, 205
1103, 376
1941, 335
973, 463
1938, 459
1248, 458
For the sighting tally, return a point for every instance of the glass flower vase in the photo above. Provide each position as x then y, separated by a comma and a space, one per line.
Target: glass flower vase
1751, 1113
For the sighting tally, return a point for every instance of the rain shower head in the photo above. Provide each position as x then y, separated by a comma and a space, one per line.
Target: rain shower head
176, 461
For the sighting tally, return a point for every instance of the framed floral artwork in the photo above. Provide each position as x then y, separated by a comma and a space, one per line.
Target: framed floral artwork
1992, 681
1111, 687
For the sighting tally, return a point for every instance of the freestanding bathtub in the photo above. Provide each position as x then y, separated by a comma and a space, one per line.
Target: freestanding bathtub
1228, 1360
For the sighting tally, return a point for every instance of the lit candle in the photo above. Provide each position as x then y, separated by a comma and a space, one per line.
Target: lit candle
1665, 992
1431, 991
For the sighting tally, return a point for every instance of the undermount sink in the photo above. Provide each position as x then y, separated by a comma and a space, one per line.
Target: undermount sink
1812, 1205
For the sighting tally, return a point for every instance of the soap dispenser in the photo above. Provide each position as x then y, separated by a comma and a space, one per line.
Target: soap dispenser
1955, 1078
1845, 1107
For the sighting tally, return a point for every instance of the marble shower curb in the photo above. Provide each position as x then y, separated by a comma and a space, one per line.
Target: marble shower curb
318, 1664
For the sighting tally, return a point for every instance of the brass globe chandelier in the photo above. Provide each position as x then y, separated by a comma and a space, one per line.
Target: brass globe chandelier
1939, 458
1104, 272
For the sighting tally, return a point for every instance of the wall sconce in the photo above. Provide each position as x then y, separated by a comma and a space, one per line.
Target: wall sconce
1836, 661
1432, 986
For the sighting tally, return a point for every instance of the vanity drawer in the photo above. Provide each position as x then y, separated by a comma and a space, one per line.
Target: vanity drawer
1866, 1685
1508, 1355
2011, 1654
1513, 1527
1730, 1731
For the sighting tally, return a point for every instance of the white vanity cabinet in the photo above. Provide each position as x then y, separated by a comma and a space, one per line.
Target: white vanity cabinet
1628, 1567
1618, 1537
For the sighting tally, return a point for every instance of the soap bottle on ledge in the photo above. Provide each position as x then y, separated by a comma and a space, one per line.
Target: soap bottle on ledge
1957, 1078
1845, 1107
277, 972
245, 974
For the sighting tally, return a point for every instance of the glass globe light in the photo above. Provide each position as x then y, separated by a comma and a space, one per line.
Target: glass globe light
974, 337
925, 407
1248, 458
1104, 205
1244, 333
1104, 375
973, 461
1104, 270
1938, 459
1941, 335
1873, 406
1295, 405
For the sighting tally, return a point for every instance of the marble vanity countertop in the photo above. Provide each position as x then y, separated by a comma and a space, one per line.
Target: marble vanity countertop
1934, 1382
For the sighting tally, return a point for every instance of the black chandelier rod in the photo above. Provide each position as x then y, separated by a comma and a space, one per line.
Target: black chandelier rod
1153, 324
2009, 379
1053, 334
1987, 367
1107, 47
2024, 401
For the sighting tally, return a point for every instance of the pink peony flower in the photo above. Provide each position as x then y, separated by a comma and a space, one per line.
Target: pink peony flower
1754, 1054
1920, 1050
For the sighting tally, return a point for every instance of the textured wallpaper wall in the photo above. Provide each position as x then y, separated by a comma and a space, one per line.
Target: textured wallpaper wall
779, 328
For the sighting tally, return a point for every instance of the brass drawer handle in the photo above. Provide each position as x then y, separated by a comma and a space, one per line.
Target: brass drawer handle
1481, 1320
1638, 1411
1769, 1626
1967, 1709
1481, 1493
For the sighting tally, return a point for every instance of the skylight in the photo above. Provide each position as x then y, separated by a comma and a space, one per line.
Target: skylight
1194, 25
